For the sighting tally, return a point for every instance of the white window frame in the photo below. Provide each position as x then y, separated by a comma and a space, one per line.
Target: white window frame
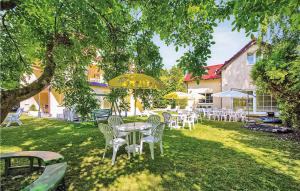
253, 53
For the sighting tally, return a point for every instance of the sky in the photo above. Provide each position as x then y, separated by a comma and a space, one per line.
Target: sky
227, 43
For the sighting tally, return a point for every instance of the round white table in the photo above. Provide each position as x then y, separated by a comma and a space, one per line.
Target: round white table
133, 128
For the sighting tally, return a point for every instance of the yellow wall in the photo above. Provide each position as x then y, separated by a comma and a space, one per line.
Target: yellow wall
214, 84
94, 72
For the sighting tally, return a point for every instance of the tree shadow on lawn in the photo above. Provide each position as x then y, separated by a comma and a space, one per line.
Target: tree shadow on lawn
188, 163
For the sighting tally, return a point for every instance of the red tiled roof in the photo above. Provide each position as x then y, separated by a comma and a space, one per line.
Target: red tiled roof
246, 47
211, 73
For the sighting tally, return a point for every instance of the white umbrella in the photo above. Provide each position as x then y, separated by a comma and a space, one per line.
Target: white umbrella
232, 94
196, 96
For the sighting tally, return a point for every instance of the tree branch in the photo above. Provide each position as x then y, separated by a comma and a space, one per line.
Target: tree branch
8, 4
55, 18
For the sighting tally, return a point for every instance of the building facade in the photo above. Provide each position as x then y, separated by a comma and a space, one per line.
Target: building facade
50, 102
207, 85
235, 74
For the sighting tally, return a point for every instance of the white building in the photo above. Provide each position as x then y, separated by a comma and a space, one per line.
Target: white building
235, 74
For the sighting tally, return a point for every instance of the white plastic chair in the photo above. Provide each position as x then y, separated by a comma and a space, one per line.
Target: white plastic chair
14, 117
169, 120
204, 111
155, 137
233, 116
211, 115
223, 115
114, 121
188, 120
154, 120
111, 140
243, 116
197, 116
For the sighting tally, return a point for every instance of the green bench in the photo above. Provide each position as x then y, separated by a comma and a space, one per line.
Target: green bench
51, 178
101, 115
54, 168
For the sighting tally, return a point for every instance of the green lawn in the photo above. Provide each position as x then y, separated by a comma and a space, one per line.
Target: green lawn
214, 156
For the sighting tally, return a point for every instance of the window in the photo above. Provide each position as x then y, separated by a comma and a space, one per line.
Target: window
251, 58
208, 99
242, 103
265, 103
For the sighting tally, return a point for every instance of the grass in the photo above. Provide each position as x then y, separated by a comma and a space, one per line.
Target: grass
214, 156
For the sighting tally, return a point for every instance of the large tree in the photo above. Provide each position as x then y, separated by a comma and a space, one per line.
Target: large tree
277, 25
62, 36
278, 73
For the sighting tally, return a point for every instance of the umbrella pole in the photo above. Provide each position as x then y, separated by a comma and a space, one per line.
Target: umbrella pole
134, 92
248, 106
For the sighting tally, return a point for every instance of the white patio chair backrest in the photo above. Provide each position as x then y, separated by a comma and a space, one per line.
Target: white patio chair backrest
19, 112
194, 115
243, 113
167, 117
108, 132
157, 132
154, 120
114, 120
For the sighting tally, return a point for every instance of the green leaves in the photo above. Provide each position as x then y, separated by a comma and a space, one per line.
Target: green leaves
278, 72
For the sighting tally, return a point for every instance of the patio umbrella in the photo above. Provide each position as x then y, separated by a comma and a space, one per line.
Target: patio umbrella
231, 94
196, 96
135, 81
182, 95
177, 95
234, 94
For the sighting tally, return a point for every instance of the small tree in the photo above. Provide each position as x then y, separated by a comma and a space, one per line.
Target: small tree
173, 81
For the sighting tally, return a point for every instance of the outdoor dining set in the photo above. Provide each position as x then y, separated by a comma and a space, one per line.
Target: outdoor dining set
134, 135
117, 133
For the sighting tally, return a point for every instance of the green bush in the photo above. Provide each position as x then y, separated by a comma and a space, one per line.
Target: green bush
32, 108
182, 103
278, 72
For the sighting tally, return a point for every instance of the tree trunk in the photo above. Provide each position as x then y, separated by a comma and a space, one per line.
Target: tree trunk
10, 98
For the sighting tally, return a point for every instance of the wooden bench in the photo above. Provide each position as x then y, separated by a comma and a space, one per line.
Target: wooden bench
41, 156
101, 115
54, 169
51, 179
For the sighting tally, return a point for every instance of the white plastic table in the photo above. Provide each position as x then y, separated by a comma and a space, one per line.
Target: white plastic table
133, 128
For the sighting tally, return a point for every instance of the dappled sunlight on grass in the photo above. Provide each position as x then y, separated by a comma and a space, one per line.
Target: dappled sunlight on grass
276, 155
214, 156
143, 180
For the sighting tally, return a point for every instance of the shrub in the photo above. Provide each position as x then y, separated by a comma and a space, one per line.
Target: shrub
182, 103
32, 108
